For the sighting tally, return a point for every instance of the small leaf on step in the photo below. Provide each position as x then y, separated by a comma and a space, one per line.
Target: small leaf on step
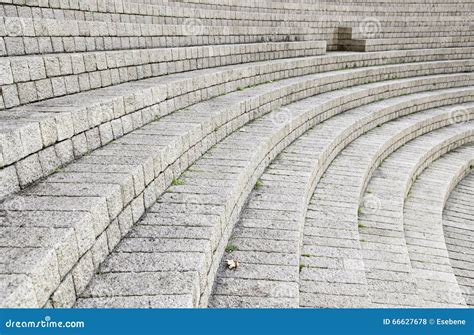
232, 264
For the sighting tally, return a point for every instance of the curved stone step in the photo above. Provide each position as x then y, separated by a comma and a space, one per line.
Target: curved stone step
141, 172
175, 249
23, 35
47, 76
91, 136
286, 187
382, 231
401, 43
156, 13
27, 36
27, 78
423, 225
194, 20
386, 8
141, 169
226, 198
335, 272
165, 12
36, 143
458, 218
396, 31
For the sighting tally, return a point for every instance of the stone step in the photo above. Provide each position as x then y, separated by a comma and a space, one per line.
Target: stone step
423, 226
175, 13
42, 137
384, 234
141, 141
26, 36
341, 262
384, 44
346, 34
41, 77
72, 80
194, 20
138, 13
225, 182
134, 170
458, 218
292, 6
287, 186
166, 14
404, 31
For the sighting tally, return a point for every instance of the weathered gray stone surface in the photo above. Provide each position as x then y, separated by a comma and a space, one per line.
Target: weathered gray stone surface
144, 143
302, 163
381, 222
457, 225
424, 232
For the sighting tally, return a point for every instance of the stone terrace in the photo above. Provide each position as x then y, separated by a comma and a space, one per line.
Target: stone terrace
255, 153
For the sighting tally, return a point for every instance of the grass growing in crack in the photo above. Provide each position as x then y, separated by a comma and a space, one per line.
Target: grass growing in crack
258, 185
361, 225
177, 182
56, 170
231, 248
302, 266
306, 255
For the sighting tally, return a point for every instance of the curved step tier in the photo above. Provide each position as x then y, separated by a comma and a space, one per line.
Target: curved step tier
382, 232
35, 141
30, 78
337, 268
458, 225
403, 43
143, 143
171, 21
115, 184
175, 12
424, 234
268, 234
27, 36
230, 196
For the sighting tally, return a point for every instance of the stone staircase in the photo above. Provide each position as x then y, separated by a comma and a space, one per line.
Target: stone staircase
145, 143
457, 228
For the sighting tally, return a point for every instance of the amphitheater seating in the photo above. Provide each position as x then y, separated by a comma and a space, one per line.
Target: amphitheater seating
289, 182
371, 26
457, 225
143, 143
392, 252
429, 257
